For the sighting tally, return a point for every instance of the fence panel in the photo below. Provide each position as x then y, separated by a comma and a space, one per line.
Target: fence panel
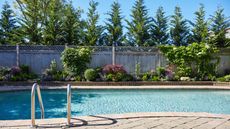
39, 57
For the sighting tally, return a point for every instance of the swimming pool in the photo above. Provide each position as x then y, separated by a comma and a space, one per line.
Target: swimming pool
16, 105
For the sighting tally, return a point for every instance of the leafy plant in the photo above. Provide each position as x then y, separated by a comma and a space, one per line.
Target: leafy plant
75, 60
224, 79
52, 73
90, 74
196, 60
161, 71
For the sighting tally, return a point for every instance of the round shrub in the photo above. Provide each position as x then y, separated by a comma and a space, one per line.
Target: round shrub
90, 74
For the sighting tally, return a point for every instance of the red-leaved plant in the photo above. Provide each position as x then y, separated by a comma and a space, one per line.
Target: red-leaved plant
107, 69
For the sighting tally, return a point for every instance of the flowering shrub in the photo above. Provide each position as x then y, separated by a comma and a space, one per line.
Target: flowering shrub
113, 69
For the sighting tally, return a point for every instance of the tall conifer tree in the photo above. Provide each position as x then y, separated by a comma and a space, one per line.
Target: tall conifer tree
159, 28
179, 31
114, 25
93, 31
8, 26
219, 26
138, 28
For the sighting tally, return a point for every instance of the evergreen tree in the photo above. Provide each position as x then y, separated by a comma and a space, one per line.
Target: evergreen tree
139, 26
30, 20
200, 30
114, 25
73, 26
159, 28
93, 31
219, 27
8, 26
53, 33
179, 31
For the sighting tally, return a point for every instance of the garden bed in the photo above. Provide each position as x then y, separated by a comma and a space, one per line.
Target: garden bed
132, 83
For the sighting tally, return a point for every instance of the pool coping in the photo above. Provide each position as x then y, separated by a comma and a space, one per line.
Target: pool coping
61, 122
153, 87
131, 83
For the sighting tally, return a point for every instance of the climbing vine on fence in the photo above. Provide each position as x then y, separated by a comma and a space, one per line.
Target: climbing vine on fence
198, 60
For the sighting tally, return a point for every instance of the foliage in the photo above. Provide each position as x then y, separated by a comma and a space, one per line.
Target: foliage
8, 26
107, 69
139, 26
115, 76
155, 78
161, 71
75, 60
72, 25
224, 79
114, 25
53, 33
179, 31
30, 20
196, 60
15, 73
148, 76
159, 28
93, 31
90, 74
52, 73
200, 27
116, 73
219, 26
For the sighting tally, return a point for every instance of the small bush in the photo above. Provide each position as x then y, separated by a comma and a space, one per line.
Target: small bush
155, 78
90, 75
224, 79
161, 71
75, 60
52, 73
127, 77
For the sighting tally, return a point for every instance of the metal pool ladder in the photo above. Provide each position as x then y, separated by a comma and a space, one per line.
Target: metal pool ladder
37, 87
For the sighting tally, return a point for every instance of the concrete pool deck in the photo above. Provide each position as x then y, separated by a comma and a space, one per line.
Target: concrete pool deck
152, 120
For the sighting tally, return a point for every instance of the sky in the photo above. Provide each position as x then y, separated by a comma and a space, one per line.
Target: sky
188, 7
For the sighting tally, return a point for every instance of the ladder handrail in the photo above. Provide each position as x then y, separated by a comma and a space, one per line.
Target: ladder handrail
68, 104
36, 87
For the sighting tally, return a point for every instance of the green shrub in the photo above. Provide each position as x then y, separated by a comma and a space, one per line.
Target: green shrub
109, 77
75, 60
161, 71
90, 75
127, 77
224, 79
25, 69
145, 77
52, 73
155, 78
196, 60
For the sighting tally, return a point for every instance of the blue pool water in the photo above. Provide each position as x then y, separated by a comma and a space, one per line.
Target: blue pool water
16, 105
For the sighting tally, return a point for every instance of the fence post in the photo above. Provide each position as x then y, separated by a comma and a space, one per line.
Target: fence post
113, 55
159, 58
17, 55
